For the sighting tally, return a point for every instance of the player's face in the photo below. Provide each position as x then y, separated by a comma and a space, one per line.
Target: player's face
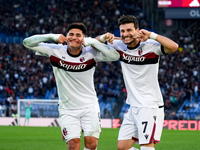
75, 38
128, 33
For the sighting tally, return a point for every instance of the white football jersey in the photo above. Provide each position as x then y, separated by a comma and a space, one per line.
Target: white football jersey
73, 74
140, 72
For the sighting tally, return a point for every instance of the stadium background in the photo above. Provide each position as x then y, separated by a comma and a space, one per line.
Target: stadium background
24, 75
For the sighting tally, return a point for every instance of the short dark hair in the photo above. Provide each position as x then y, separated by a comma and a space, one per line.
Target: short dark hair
128, 19
80, 26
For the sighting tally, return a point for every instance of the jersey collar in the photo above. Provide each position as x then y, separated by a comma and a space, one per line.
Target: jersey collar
74, 55
136, 46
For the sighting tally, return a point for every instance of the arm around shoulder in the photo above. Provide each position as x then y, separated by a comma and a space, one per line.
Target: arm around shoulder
109, 53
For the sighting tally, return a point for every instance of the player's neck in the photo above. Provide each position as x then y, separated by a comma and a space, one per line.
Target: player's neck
133, 44
74, 51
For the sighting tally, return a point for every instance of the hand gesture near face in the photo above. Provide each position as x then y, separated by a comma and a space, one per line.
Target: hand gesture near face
110, 37
62, 39
143, 35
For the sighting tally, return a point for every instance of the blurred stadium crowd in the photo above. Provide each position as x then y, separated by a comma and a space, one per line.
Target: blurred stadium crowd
24, 75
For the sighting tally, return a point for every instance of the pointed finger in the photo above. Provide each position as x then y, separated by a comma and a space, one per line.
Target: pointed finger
137, 36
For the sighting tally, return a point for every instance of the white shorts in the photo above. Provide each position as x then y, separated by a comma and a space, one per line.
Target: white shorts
159, 124
85, 119
142, 125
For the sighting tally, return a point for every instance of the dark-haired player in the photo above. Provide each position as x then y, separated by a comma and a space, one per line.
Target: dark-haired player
140, 52
74, 65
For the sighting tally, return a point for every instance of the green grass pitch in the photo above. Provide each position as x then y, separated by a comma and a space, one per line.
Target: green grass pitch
50, 138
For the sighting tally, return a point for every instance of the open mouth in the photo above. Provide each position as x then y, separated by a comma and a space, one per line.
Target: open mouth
127, 38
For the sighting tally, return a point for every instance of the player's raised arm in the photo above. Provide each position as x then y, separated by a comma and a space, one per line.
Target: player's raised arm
33, 42
169, 45
109, 37
109, 53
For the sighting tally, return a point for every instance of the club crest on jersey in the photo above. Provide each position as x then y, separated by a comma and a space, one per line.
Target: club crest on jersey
64, 131
140, 52
82, 59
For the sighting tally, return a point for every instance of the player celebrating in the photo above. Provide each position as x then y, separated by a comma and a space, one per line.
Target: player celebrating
140, 51
74, 66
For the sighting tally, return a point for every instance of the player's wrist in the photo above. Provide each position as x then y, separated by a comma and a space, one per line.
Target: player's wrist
89, 41
153, 35
102, 38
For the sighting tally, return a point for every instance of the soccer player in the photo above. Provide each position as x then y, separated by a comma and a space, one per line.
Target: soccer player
27, 113
140, 52
74, 65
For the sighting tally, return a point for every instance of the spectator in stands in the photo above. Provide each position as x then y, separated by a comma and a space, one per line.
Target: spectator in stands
181, 117
168, 104
1, 109
197, 117
173, 116
107, 114
173, 99
194, 107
